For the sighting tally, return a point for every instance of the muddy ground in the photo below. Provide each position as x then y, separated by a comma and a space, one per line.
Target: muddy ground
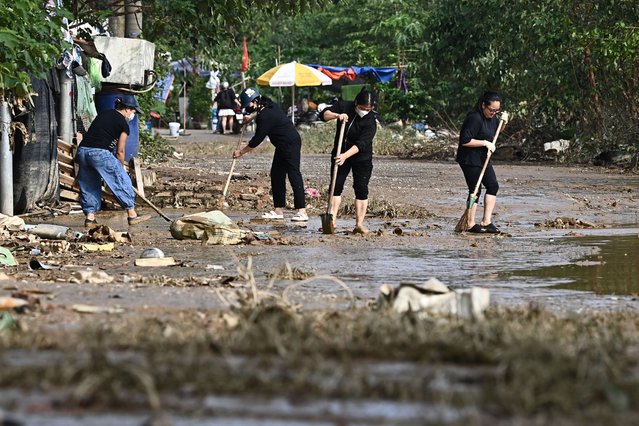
556, 220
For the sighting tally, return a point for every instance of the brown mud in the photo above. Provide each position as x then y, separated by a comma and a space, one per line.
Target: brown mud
558, 224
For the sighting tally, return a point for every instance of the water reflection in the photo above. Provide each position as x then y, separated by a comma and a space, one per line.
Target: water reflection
614, 269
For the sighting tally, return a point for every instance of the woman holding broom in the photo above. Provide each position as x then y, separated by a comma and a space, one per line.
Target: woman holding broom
477, 132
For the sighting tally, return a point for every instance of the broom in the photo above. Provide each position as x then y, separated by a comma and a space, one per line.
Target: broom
463, 223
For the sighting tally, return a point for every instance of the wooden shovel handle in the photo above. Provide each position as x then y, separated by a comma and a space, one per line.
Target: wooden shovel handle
228, 179
335, 166
150, 204
483, 170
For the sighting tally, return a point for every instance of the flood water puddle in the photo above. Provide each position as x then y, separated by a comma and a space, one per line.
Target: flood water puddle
612, 269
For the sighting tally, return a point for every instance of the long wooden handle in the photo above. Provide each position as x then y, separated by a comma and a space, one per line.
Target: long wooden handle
335, 166
143, 198
228, 179
481, 175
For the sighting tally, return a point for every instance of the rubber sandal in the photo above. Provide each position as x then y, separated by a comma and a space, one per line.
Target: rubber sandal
272, 215
137, 219
476, 229
491, 229
90, 223
300, 217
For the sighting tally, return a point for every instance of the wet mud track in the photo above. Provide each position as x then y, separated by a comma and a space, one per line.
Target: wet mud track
529, 264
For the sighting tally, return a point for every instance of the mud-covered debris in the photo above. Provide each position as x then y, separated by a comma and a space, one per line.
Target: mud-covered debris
93, 309
288, 273
565, 222
7, 303
52, 232
90, 277
103, 233
54, 246
212, 227
153, 261
434, 299
96, 246
35, 264
11, 223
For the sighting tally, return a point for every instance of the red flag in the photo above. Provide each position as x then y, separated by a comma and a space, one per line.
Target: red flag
245, 58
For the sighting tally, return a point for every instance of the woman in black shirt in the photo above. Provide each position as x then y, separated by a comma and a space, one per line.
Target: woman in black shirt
272, 122
357, 151
477, 132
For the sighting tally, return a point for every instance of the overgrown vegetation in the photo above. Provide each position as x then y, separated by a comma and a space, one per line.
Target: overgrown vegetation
389, 140
153, 147
519, 362
567, 70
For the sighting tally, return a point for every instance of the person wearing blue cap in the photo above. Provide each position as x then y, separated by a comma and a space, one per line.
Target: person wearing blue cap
100, 157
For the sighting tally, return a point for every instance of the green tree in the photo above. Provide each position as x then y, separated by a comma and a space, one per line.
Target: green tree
31, 40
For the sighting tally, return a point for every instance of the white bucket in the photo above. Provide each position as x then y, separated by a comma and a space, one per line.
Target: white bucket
174, 128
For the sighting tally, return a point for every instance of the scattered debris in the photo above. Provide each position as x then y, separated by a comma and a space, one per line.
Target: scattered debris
565, 222
6, 257
435, 299
12, 303
557, 146
92, 309
35, 264
90, 277
96, 246
51, 232
212, 227
151, 261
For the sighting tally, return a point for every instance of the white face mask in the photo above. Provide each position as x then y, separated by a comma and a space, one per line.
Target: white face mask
130, 117
361, 112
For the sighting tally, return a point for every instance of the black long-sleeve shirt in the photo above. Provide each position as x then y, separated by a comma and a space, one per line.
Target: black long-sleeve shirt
272, 122
360, 131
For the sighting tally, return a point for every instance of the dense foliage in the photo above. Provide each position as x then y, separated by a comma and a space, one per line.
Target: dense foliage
566, 68
31, 39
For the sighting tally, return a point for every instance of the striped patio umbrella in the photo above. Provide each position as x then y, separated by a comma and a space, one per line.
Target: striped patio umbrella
293, 74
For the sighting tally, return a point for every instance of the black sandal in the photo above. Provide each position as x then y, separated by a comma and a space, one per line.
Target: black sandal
491, 229
90, 223
476, 229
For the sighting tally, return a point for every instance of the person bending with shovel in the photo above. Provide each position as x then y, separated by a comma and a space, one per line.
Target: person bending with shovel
107, 136
356, 152
480, 127
272, 122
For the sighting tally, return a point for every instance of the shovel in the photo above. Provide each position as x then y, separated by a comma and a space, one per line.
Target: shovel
327, 218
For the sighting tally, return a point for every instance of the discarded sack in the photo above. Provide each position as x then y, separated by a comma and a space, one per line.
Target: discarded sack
433, 299
212, 227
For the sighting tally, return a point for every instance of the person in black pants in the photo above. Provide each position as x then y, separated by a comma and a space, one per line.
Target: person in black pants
477, 132
272, 122
356, 153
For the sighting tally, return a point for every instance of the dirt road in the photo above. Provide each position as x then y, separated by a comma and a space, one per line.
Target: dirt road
415, 205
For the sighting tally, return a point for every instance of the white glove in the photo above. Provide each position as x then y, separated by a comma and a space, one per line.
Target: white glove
490, 146
504, 117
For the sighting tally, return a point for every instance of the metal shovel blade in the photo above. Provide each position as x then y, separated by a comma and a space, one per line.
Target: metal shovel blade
327, 223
